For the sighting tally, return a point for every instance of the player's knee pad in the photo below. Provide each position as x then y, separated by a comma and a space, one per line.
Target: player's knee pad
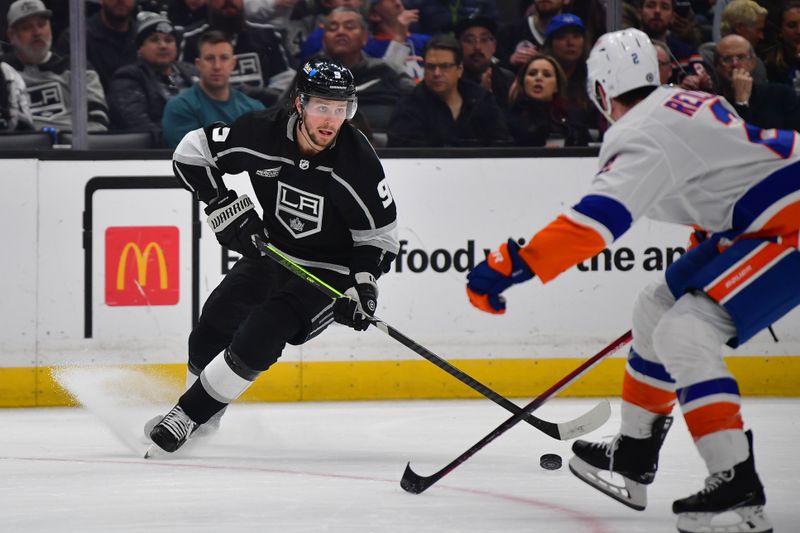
651, 304
205, 343
689, 337
262, 338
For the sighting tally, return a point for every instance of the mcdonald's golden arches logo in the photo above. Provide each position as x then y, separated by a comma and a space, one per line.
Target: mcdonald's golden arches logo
142, 265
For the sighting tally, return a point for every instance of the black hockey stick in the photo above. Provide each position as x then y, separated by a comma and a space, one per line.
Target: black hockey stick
557, 430
416, 484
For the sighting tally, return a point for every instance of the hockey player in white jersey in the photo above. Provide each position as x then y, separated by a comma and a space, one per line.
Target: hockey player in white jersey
683, 157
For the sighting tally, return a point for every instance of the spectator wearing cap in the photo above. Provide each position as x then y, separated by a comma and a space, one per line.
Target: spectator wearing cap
440, 16
110, 38
565, 40
46, 73
478, 39
140, 91
522, 40
445, 110
539, 115
212, 98
264, 71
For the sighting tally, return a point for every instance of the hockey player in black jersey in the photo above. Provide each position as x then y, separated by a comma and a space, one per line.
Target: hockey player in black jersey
326, 205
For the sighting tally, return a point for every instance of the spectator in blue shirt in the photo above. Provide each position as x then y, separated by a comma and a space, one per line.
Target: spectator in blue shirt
212, 98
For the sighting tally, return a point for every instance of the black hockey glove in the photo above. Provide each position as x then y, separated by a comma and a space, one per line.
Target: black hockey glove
358, 303
234, 221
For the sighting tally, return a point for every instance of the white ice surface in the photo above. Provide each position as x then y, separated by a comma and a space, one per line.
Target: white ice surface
336, 467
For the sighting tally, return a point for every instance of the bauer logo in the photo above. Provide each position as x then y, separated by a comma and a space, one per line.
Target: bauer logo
142, 265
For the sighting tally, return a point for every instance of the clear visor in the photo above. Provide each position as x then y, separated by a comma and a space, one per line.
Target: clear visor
324, 107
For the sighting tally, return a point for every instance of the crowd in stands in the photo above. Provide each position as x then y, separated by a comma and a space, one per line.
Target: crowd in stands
429, 73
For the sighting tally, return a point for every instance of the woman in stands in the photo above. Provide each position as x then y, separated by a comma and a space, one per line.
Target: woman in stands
538, 114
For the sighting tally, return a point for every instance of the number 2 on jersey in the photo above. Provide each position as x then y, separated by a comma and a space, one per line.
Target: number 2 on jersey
779, 141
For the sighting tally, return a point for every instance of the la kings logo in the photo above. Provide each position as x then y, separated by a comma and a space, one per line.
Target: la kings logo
47, 100
299, 211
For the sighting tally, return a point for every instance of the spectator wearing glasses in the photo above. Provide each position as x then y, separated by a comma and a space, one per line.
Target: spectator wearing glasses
212, 98
539, 115
445, 110
478, 39
766, 105
745, 18
140, 91
665, 64
670, 72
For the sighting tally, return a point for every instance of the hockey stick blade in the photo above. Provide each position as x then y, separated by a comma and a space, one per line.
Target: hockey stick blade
560, 431
416, 484
585, 423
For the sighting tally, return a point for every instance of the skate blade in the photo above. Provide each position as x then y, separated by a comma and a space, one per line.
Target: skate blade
632, 494
751, 519
154, 452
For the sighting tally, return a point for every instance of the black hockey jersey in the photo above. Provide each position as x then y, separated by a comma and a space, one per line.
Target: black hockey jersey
333, 210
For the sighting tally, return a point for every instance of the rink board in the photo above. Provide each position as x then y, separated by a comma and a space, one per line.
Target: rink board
109, 262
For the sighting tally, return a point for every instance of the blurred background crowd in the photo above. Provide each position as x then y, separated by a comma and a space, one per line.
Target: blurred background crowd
429, 73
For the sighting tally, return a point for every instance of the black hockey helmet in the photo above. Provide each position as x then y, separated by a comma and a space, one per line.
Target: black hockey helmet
327, 79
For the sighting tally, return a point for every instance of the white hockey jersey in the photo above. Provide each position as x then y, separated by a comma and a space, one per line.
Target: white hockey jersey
684, 157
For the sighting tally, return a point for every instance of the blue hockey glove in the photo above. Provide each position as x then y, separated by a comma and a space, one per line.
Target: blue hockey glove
501, 269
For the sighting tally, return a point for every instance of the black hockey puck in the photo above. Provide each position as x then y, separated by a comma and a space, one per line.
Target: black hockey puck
550, 461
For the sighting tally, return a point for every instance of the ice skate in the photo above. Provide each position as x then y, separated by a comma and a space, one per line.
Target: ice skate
204, 430
733, 492
635, 460
172, 431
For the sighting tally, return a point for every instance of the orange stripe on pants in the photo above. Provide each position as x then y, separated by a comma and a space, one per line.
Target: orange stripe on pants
646, 396
713, 417
743, 272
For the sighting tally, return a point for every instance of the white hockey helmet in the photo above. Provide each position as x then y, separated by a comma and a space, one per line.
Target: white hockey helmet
619, 62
